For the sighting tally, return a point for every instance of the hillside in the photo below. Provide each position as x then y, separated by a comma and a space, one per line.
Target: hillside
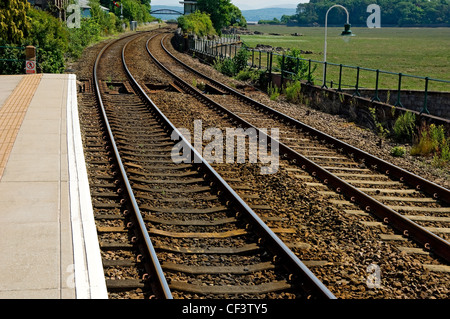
249, 15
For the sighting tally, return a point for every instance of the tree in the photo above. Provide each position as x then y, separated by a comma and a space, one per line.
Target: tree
51, 38
222, 12
134, 10
14, 22
217, 9
236, 17
197, 22
109, 22
393, 12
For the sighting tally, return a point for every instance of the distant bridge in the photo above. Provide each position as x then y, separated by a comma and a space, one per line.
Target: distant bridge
165, 11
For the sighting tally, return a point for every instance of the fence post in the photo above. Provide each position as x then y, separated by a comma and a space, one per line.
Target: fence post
282, 69
425, 109
357, 83
309, 72
30, 59
253, 58
324, 85
398, 103
270, 62
259, 68
376, 89
340, 78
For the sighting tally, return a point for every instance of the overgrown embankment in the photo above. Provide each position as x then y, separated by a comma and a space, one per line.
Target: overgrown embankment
56, 43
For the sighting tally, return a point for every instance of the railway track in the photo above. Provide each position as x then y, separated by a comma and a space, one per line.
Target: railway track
352, 180
395, 196
205, 241
124, 253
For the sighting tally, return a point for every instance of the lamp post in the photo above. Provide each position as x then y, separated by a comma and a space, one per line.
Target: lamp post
346, 32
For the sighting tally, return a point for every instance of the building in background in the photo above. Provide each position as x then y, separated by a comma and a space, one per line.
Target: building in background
86, 9
56, 7
189, 6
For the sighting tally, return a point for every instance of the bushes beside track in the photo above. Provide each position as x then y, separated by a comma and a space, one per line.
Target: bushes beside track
55, 42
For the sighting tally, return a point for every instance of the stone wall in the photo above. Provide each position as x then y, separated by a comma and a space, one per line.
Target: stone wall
363, 111
438, 103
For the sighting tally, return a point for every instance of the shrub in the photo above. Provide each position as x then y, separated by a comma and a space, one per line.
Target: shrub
198, 23
293, 91
240, 60
249, 75
433, 141
404, 127
225, 66
11, 59
424, 146
293, 63
379, 127
398, 151
231, 67
273, 92
51, 38
88, 33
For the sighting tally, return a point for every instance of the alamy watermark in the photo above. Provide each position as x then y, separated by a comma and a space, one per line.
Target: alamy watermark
374, 278
241, 146
374, 19
74, 19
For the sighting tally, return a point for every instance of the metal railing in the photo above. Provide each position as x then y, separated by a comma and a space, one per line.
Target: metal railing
269, 61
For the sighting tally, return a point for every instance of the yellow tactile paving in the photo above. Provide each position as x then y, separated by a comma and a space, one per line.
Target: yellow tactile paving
12, 113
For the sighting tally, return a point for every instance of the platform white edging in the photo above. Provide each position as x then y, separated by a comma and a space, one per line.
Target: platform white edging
89, 277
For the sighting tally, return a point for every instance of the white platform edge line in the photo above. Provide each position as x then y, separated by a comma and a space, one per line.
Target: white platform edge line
81, 279
89, 276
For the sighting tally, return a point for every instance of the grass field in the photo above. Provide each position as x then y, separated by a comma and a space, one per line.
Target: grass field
423, 52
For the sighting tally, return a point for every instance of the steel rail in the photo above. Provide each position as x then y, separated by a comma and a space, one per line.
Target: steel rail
157, 276
407, 227
284, 255
437, 191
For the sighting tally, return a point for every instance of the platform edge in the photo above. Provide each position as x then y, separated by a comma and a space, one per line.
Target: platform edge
89, 277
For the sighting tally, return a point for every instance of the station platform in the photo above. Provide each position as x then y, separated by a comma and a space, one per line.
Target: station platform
48, 244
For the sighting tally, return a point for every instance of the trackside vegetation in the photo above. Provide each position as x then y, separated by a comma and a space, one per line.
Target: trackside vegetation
393, 12
211, 17
198, 23
22, 25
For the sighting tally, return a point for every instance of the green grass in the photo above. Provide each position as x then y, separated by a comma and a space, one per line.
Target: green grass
420, 52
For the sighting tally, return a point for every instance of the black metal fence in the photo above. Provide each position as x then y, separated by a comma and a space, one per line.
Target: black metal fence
326, 74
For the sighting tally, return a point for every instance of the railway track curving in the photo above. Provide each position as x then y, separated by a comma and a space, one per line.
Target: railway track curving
369, 181
221, 230
205, 241
414, 210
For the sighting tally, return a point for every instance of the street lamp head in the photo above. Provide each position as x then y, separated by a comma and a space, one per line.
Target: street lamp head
347, 31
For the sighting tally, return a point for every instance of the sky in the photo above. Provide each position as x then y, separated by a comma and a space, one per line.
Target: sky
244, 4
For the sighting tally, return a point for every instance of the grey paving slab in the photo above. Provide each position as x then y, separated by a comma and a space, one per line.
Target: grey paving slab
37, 266
28, 202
